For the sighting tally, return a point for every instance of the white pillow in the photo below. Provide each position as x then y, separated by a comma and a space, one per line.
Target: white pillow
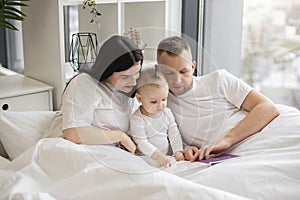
55, 130
3, 162
20, 130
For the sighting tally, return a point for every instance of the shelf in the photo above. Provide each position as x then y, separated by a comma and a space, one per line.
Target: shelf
118, 16
139, 1
79, 2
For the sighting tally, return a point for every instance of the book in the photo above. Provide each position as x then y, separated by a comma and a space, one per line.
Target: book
215, 159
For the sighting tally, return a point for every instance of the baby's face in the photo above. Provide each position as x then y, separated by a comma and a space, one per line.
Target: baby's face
153, 99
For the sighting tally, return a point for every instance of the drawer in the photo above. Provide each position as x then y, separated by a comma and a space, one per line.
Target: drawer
29, 102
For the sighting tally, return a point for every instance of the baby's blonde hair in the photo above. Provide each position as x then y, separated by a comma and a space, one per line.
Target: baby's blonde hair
151, 76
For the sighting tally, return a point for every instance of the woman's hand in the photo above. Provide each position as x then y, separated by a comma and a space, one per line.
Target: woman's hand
94, 135
191, 153
178, 155
127, 143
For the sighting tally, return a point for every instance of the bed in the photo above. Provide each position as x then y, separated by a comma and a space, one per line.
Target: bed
42, 165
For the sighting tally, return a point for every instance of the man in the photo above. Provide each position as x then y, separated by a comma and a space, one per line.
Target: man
215, 111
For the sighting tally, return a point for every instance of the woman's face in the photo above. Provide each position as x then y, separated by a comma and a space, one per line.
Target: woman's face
125, 80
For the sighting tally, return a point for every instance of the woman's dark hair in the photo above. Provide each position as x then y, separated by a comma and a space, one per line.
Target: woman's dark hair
118, 53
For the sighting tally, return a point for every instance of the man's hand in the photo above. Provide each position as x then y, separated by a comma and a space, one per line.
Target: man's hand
216, 147
191, 153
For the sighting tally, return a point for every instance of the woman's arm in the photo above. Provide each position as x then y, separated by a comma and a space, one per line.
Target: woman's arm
94, 135
261, 112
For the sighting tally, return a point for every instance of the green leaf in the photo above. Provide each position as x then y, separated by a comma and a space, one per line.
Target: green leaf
9, 3
11, 15
9, 11
8, 25
93, 10
15, 10
14, 0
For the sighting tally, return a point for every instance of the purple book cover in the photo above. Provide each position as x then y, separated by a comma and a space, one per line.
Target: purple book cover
218, 158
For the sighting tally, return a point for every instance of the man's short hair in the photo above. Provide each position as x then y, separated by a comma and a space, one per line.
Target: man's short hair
173, 46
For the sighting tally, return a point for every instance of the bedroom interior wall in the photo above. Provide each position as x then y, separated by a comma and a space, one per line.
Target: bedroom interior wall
42, 57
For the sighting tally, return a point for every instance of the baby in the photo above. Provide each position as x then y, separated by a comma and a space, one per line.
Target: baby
152, 125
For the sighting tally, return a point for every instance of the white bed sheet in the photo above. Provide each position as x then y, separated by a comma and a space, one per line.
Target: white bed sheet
269, 168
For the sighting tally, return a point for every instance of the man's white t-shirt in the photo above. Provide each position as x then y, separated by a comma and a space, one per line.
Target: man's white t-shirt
87, 102
159, 133
211, 108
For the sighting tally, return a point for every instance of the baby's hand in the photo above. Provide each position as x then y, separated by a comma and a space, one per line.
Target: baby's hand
178, 155
161, 159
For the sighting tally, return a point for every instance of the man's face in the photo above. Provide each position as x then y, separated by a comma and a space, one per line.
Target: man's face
178, 71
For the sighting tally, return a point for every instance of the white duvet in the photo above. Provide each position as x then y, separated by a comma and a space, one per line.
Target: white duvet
58, 169
269, 168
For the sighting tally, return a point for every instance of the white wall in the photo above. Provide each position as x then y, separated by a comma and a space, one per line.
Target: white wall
42, 52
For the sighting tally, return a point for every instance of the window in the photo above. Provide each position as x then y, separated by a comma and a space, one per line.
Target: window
3, 57
70, 26
258, 41
271, 49
11, 53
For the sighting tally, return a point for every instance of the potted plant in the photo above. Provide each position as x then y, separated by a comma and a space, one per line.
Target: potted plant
93, 10
10, 10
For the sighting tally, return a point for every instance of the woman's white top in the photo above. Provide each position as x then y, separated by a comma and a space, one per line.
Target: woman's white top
159, 133
87, 102
211, 108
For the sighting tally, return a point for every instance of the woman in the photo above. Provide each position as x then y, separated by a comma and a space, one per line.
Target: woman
96, 104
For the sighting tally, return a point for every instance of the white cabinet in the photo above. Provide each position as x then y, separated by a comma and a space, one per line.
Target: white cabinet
20, 93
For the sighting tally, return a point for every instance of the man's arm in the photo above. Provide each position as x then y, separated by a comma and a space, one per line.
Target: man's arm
261, 112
